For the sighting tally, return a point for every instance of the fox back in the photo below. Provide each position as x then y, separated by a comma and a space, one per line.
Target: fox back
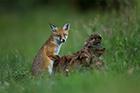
50, 48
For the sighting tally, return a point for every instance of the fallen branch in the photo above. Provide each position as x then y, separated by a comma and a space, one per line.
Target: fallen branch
87, 57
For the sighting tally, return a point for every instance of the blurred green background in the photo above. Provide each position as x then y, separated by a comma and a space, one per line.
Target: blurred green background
24, 28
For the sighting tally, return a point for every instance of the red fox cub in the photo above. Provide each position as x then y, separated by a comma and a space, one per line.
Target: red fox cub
43, 60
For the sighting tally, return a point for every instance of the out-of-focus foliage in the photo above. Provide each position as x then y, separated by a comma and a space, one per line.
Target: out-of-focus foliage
104, 4
22, 33
82, 5
21, 4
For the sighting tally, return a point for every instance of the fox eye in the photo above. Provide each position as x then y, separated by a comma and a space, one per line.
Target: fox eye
57, 35
65, 35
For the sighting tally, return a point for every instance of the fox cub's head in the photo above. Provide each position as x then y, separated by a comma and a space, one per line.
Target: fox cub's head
60, 34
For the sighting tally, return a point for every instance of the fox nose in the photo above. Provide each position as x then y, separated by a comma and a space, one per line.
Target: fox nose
63, 40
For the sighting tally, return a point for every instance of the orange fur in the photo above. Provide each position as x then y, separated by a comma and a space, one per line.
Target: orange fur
43, 60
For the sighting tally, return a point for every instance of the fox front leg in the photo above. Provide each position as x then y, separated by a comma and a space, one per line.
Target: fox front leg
54, 57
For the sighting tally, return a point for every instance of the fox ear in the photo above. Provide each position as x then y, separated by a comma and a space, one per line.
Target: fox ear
53, 27
66, 27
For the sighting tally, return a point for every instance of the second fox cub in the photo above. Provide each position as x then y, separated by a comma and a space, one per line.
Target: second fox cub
43, 60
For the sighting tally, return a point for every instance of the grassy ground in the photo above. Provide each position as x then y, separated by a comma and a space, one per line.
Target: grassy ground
23, 33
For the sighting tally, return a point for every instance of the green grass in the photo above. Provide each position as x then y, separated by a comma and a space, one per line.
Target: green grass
23, 33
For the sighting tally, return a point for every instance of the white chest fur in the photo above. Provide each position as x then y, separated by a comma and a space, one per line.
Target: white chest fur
57, 49
50, 66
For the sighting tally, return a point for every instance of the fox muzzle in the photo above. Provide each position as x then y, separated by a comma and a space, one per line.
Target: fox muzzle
63, 40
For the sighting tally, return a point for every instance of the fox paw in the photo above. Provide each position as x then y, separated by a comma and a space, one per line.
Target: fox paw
54, 57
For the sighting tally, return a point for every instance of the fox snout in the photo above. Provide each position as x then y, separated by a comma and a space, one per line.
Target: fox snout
63, 40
